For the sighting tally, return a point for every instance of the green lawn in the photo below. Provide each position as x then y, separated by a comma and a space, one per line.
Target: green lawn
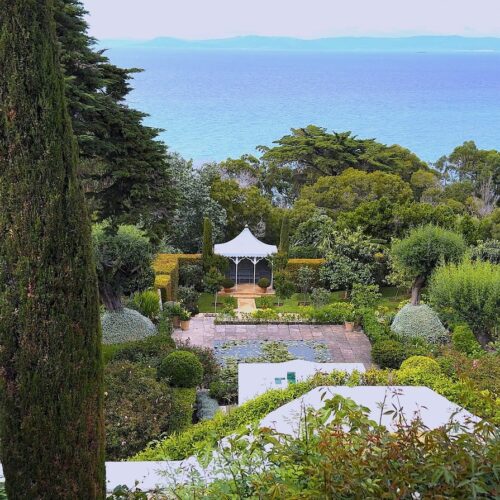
206, 303
391, 297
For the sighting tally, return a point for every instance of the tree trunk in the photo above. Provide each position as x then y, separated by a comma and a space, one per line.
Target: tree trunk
51, 402
416, 290
110, 299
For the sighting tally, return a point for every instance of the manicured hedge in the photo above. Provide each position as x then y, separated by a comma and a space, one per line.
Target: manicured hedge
166, 267
206, 434
294, 265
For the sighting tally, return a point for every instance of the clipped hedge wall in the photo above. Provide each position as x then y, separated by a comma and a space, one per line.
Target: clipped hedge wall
294, 265
166, 267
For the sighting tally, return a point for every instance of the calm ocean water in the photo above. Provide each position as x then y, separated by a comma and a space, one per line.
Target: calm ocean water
216, 104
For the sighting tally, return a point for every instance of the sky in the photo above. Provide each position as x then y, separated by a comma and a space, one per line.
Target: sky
204, 19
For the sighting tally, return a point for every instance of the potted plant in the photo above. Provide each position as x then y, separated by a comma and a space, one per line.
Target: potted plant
227, 284
174, 311
263, 284
185, 317
349, 320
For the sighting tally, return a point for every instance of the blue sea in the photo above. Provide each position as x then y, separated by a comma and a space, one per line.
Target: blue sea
215, 104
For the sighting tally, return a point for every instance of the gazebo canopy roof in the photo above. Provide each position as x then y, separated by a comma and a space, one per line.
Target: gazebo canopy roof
245, 245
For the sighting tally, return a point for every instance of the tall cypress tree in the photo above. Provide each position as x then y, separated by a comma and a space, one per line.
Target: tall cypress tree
208, 243
285, 236
51, 422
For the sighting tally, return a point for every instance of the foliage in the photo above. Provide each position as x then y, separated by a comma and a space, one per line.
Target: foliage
469, 292
51, 398
191, 275
212, 281
334, 314
283, 285
487, 250
284, 245
206, 407
421, 252
346, 191
365, 296
206, 356
343, 452
225, 388
388, 353
181, 369
464, 341
137, 408
147, 303
320, 297
374, 329
207, 250
419, 322
188, 297
228, 283
184, 315
181, 416
125, 326
148, 352
263, 283
351, 258
265, 302
305, 278
422, 363
205, 435
124, 262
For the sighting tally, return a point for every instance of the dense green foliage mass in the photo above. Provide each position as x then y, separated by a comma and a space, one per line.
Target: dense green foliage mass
181, 369
52, 413
127, 173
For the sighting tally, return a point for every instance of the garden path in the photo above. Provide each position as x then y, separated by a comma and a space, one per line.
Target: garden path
345, 347
246, 305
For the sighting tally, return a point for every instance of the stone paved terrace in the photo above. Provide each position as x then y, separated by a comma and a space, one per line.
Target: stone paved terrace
345, 347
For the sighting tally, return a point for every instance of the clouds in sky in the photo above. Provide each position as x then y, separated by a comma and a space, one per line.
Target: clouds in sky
198, 19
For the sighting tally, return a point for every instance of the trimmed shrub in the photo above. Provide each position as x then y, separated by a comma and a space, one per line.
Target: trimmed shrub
206, 407
388, 353
149, 352
227, 283
125, 326
137, 408
182, 369
181, 414
206, 356
423, 363
147, 303
263, 283
464, 341
335, 313
373, 328
419, 322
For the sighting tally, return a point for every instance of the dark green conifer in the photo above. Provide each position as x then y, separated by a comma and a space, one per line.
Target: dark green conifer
284, 246
208, 243
51, 424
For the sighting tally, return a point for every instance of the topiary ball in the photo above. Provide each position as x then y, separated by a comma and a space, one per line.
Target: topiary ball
419, 322
125, 326
182, 369
388, 353
423, 363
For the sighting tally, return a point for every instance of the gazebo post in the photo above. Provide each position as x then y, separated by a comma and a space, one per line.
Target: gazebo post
236, 261
272, 272
254, 260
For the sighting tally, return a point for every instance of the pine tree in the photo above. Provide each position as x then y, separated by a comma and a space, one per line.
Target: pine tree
51, 424
127, 171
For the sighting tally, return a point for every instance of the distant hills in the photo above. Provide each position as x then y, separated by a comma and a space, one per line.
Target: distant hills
338, 44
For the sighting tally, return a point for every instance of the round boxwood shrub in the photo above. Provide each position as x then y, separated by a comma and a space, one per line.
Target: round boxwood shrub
125, 326
388, 353
419, 322
182, 369
263, 283
228, 283
423, 363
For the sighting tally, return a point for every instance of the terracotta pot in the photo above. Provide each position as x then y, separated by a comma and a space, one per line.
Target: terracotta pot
185, 325
228, 290
176, 321
349, 326
263, 290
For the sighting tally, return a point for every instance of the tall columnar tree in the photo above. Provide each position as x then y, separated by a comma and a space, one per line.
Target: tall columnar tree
208, 243
285, 235
418, 255
51, 399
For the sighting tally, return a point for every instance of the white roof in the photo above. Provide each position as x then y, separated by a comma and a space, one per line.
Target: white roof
245, 245
257, 378
433, 409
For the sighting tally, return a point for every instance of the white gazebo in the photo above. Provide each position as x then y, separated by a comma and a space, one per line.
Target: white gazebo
246, 247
